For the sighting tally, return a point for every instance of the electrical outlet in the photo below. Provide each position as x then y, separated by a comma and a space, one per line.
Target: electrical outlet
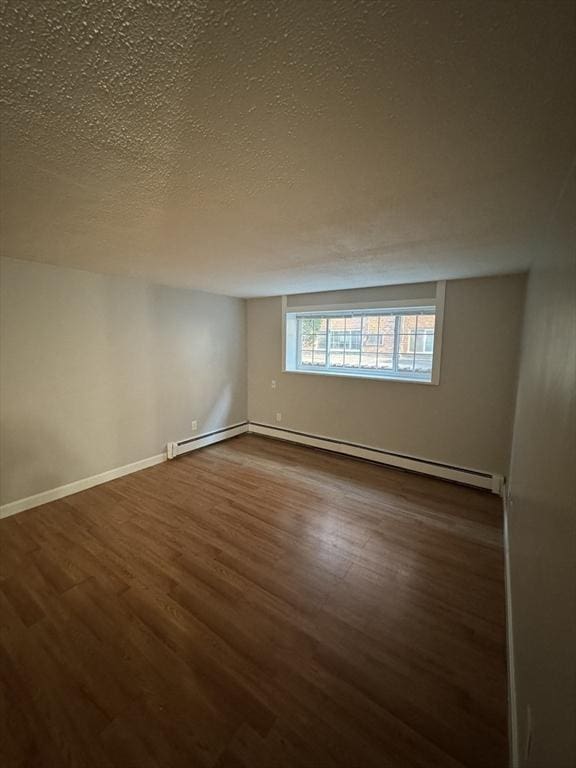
273, 385
194, 426
278, 417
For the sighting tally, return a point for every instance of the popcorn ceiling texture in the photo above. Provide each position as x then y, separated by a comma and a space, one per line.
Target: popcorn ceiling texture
255, 147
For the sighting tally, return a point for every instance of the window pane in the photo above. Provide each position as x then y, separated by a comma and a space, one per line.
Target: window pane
310, 338
353, 340
370, 324
307, 341
426, 322
336, 358
406, 344
368, 343
423, 363
320, 341
337, 340
387, 324
405, 362
313, 325
424, 343
386, 344
352, 359
385, 361
408, 323
337, 324
319, 357
369, 349
353, 323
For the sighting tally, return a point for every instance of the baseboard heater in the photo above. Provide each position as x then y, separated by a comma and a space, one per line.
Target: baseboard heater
207, 438
463, 475
486, 480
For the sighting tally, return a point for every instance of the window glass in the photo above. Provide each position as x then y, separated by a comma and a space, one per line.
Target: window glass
397, 344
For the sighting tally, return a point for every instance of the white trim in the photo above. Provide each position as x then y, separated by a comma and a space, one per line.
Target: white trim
435, 304
438, 331
208, 438
78, 485
284, 310
372, 377
514, 746
414, 464
176, 449
498, 485
360, 305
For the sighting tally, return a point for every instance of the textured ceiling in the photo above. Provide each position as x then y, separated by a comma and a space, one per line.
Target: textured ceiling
261, 147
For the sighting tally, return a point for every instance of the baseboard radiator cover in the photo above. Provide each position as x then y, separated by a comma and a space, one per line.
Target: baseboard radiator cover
181, 447
463, 475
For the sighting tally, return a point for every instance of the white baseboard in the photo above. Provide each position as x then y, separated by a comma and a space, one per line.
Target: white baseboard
174, 449
457, 474
177, 449
472, 477
208, 438
78, 485
185, 446
512, 699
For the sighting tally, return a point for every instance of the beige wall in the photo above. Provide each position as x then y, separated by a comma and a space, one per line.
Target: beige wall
542, 514
99, 371
466, 420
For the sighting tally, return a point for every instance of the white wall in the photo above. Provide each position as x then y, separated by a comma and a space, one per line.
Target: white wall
97, 372
466, 420
542, 514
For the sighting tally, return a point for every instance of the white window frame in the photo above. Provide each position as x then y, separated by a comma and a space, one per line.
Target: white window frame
291, 315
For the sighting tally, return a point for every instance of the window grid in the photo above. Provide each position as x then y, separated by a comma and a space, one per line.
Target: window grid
358, 343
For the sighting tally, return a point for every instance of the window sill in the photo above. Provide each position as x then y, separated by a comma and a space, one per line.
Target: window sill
371, 377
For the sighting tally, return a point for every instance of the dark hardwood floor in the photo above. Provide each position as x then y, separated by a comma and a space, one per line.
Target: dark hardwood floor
255, 604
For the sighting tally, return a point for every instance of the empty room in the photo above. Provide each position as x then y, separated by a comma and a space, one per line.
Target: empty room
288, 384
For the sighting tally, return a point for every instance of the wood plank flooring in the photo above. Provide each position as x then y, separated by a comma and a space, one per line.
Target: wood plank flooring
255, 604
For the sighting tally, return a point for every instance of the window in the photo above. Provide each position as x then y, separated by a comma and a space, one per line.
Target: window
394, 343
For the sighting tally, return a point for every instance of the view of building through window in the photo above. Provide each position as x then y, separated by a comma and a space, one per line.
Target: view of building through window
390, 343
